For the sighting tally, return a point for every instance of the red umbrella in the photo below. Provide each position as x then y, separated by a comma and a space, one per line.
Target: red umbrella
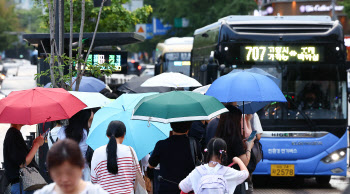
38, 105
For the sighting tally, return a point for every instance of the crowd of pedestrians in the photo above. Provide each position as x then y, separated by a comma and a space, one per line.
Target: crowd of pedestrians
198, 156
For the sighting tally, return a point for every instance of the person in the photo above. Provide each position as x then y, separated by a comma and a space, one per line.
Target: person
78, 129
16, 155
311, 97
65, 164
198, 131
211, 129
52, 137
256, 126
216, 158
112, 165
175, 158
229, 129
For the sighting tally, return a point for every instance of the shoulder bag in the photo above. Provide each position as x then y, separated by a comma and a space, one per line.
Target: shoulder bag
31, 179
140, 185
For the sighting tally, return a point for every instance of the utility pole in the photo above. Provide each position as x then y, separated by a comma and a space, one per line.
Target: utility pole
334, 17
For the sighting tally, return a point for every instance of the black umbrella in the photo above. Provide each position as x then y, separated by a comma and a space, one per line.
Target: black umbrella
134, 86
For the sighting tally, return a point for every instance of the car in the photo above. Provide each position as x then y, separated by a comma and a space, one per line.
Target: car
148, 70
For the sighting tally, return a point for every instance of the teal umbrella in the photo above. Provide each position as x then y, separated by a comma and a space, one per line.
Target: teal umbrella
140, 135
178, 106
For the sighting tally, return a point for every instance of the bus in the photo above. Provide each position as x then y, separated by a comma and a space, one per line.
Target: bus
174, 55
307, 136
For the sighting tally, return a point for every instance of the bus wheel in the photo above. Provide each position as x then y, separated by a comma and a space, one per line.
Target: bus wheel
323, 180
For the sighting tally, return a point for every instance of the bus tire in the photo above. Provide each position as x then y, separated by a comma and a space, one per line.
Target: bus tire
323, 180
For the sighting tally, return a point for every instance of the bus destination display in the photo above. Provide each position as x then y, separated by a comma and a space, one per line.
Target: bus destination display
266, 53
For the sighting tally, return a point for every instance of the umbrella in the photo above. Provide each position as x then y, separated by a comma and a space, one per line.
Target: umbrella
140, 135
203, 89
258, 71
87, 84
38, 105
91, 99
171, 79
245, 86
177, 106
134, 86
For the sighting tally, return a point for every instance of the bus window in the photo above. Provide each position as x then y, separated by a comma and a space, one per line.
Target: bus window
177, 62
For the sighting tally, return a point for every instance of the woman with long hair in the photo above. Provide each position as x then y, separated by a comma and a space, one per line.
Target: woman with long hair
114, 165
65, 164
78, 130
229, 129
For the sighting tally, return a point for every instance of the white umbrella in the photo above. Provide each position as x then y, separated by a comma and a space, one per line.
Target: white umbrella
91, 99
171, 79
202, 89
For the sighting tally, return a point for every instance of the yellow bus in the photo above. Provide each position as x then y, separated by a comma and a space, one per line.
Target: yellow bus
174, 55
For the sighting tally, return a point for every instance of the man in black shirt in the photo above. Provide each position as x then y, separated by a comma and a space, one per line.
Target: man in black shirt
16, 154
175, 159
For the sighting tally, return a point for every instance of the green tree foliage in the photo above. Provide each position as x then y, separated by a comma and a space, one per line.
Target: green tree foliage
114, 18
8, 23
30, 20
199, 12
346, 4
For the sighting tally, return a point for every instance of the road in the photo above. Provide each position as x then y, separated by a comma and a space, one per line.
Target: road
291, 186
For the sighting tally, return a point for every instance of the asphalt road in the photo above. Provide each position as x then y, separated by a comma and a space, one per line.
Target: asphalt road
297, 186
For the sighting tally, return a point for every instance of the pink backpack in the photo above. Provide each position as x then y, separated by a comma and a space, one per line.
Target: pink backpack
212, 183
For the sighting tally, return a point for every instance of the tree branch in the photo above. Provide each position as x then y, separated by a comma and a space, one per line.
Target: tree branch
79, 75
93, 37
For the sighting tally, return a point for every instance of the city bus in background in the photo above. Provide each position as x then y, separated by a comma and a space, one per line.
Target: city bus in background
307, 136
174, 55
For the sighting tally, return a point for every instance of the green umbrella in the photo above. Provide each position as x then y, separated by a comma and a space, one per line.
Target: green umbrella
177, 106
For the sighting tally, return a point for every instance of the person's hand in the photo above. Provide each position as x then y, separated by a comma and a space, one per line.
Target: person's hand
236, 160
39, 141
248, 117
250, 144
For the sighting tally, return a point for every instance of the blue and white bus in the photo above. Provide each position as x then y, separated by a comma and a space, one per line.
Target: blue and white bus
308, 135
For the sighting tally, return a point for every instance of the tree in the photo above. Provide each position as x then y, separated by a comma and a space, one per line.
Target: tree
8, 24
30, 20
346, 4
57, 60
114, 18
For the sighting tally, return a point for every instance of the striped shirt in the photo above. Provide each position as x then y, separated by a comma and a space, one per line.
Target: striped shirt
120, 183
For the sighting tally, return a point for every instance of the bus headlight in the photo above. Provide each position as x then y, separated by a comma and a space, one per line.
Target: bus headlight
335, 156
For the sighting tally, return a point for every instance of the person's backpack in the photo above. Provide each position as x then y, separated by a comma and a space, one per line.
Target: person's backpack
256, 156
194, 152
212, 183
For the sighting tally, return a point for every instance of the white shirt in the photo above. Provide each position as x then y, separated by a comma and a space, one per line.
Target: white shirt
123, 182
82, 144
256, 125
233, 178
53, 133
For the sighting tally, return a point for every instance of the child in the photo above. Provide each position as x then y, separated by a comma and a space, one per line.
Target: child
213, 177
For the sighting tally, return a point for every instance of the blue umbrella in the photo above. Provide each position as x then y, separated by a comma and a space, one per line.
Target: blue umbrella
253, 107
258, 71
87, 84
245, 86
140, 135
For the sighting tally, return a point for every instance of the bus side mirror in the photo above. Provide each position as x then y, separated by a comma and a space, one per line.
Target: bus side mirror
222, 67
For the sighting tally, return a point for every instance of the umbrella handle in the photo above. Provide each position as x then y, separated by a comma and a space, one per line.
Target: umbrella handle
149, 122
44, 132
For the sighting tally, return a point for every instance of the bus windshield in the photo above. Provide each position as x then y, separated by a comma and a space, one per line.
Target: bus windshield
312, 91
177, 62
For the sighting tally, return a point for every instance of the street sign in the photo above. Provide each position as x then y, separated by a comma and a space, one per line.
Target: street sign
145, 30
181, 22
159, 28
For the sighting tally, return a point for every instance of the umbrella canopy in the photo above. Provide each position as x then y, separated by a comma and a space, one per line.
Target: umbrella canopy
177, 106
87, 84
140, 135
171, 79
91, 99
203, 89
134, 86
38, 105
258, 71
245, 86
251, 107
